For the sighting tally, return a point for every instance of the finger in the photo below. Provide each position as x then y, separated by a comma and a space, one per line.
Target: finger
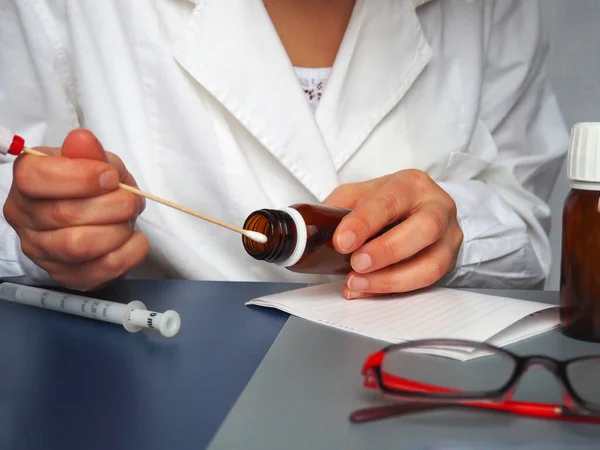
119, 165
55, 177
356, 295
423, 270
82, 171
12, 211
420, 230
347, 195
91, 275
381, 208
112, 208
76, 245
83, 144
126, 177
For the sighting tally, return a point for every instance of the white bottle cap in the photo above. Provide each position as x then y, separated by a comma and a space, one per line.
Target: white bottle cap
583, 164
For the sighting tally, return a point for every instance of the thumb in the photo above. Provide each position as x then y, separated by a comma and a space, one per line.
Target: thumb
82, 144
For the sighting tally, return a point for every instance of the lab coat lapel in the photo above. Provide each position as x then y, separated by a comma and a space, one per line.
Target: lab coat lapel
232, 49
382, 54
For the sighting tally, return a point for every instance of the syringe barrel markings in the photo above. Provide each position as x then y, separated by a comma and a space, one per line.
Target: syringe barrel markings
72, 304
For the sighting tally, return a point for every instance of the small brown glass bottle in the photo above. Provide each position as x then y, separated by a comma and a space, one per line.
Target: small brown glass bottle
299, 238
580, 255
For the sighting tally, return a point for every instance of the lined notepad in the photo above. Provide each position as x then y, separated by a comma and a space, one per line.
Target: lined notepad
434, 312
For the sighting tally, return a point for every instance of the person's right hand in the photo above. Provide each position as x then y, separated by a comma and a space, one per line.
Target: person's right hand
72, 219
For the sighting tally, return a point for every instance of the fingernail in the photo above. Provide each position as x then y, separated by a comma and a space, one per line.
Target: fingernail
109, 179
358, 283
346, 240
361, 262
352, 295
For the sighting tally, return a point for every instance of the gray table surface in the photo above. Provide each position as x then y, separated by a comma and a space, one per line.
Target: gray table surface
301, 395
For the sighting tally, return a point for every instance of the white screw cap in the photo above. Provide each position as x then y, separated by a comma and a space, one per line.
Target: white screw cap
583, 163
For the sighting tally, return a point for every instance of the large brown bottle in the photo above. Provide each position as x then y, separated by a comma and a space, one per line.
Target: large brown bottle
299, 238
580, 255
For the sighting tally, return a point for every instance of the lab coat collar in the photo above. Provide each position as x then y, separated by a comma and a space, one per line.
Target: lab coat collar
232, 49
382, 54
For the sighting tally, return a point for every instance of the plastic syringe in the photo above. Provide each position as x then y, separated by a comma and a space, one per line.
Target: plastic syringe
133, 316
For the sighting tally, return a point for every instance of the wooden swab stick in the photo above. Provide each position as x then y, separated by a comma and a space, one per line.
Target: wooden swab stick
255, 236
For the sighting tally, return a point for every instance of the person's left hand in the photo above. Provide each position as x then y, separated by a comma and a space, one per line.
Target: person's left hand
417, 252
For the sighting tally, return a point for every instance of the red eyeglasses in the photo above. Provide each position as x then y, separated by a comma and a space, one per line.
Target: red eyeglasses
415, 373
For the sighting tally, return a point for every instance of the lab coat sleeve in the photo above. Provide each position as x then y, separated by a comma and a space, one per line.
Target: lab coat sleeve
503, 211
35, 102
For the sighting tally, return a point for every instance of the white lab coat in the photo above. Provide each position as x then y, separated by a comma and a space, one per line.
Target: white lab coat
202, 104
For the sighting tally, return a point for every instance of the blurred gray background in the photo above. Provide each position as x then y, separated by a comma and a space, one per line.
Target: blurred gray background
573, 27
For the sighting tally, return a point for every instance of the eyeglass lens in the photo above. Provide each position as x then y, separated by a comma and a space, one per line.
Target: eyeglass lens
584, 376
427, 365
423, 364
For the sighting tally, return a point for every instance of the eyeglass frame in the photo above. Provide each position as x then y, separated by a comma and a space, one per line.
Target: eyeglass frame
574, 406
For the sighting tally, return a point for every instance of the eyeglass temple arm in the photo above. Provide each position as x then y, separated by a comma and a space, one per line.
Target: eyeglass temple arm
549, 411
383, 412
546, 411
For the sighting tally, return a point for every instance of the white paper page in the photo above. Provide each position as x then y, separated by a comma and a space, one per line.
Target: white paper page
527, 327
430, 313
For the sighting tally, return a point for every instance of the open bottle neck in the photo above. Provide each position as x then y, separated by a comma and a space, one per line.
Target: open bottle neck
286, 236
300, 240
